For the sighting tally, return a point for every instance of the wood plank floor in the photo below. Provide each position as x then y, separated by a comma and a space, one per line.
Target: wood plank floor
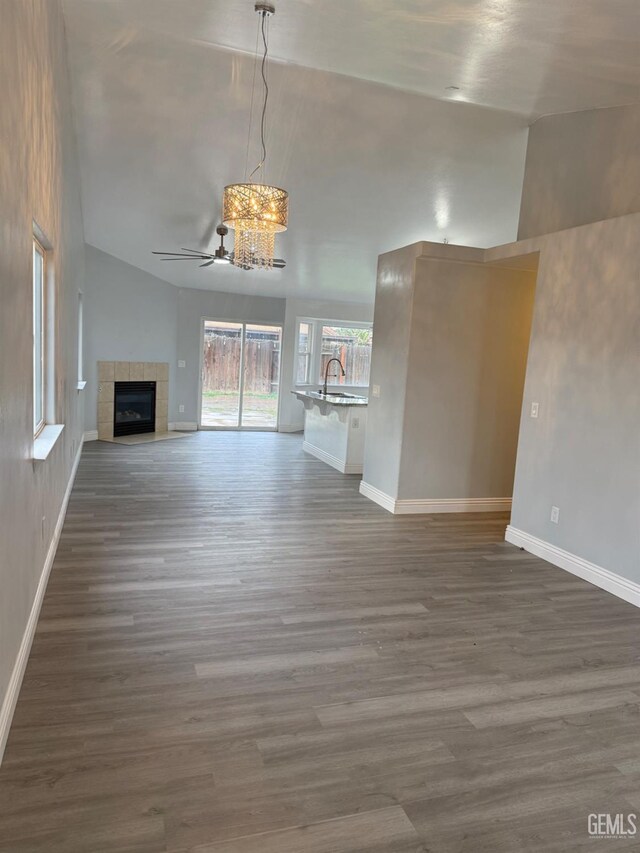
239, 653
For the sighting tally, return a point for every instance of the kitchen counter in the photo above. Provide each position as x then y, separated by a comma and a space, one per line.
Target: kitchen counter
334, 428
338, 399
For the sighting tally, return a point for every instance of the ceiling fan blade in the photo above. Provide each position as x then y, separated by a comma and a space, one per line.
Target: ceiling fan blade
207, 264
179, 254
196, 251
279, 263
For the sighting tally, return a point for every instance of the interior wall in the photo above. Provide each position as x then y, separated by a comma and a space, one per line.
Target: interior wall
449, 357
470, 327
582, 453
291, 410
129, 315
38, 181
389, 368
580, 167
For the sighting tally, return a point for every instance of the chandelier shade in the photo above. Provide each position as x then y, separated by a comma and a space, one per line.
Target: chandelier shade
255, 207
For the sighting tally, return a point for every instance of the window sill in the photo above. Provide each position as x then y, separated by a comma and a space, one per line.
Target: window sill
45, 442
82, 384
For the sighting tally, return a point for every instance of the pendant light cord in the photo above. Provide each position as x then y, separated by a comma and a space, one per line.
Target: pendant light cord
253, 92
263, 118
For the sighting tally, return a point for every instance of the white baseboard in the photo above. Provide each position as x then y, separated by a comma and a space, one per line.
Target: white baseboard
615, 584
330, 459
15, 682
433, 505
183, 426
290, 428
91, 435
381, 498
427, 506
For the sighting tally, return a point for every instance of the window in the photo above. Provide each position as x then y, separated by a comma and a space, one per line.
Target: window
303, 370
81, 382
320, 340
352, 346
46, 431
38, 337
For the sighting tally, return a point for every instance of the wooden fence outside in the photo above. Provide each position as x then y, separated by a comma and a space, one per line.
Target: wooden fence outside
221, 364
356, 360
222, 355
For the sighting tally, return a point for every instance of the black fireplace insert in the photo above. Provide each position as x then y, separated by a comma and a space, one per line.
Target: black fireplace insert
134, 408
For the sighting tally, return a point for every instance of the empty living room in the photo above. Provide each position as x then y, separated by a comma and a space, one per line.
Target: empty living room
319, 426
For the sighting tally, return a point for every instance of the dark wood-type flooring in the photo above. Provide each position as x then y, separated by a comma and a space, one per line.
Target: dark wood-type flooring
239, 653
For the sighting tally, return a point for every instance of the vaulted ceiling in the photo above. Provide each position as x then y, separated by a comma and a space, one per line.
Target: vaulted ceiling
364, 132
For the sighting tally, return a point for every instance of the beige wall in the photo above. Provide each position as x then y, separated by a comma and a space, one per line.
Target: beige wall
581, 167
470, 330
582, 454
38, 181
449, 354
389, 368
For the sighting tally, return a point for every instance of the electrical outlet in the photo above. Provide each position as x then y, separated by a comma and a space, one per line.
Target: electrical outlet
355, 423
555, 514
534, 410
181, 408
182, 364
376, 390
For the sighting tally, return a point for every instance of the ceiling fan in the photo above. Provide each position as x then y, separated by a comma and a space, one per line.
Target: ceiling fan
220, 256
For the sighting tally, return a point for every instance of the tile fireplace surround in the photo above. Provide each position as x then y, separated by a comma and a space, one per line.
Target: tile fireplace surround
110, 372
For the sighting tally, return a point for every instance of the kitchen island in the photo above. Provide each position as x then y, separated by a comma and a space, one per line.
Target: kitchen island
334, 428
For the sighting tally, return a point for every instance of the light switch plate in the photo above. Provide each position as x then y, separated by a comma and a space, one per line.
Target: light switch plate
181, 408
376, 390
555, 514
182, 363
534, 410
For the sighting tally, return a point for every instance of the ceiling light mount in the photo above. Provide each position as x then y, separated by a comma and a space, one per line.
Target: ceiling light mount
265, 8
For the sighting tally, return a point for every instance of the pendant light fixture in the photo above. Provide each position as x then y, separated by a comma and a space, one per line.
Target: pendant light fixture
255, 210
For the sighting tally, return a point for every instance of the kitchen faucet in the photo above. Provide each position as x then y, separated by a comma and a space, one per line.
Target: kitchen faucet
326, 373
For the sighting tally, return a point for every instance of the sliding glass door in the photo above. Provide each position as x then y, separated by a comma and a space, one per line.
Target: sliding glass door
240, 375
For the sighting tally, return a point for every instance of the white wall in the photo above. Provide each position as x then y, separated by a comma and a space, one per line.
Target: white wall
129, 315
38, 181
581, 167
291, 410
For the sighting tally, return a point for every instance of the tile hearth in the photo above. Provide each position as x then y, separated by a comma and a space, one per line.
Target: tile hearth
110, 372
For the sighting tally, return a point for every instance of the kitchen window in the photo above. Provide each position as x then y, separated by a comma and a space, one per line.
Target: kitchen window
352, 346
320, 340
305, 341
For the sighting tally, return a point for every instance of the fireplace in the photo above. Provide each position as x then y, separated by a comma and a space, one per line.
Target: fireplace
134, 408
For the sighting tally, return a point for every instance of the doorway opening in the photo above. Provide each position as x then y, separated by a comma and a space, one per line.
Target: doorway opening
240, 375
